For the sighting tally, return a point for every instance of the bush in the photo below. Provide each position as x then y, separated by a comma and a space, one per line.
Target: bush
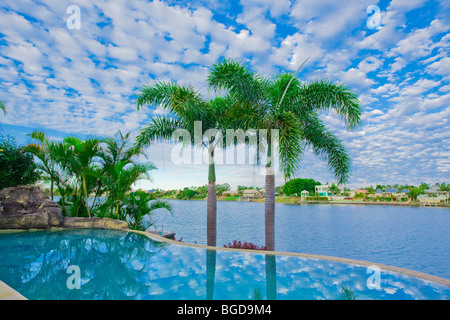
246, 245
318, 198
16, 165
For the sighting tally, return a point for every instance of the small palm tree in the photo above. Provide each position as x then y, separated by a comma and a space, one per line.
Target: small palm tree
188, 109
291, 107
119, 178
80, 159
137, 205
120, 171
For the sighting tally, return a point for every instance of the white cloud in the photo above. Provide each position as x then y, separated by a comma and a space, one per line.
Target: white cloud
82, 81
325, 20
419, 43
294, 50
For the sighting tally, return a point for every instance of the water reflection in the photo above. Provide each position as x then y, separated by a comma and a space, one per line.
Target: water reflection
121, 265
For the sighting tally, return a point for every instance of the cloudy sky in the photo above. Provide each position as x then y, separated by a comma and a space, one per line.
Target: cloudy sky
69, 79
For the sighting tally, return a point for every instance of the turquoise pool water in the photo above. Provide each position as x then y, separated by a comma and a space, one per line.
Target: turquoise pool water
126, 265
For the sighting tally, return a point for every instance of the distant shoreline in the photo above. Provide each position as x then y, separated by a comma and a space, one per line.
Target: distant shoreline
290, 200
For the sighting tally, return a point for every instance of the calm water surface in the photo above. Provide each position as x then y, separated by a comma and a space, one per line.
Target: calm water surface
409, 237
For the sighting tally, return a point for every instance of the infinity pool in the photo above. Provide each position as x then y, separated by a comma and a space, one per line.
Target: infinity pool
127, 265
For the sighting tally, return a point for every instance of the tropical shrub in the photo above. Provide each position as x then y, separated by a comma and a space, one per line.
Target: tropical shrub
296, 186
92, 176
318, 198
16, 164
140, 204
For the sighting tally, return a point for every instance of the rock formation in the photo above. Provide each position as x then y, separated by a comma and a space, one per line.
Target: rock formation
28, 207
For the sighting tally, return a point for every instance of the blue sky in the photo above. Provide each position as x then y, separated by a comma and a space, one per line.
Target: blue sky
82, 81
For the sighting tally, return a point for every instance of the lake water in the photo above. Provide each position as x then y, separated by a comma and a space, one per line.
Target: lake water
414, 238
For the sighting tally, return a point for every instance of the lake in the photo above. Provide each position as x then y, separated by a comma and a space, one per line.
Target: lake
414, 238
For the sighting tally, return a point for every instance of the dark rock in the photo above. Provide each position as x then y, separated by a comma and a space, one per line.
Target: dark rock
28, 207
105, 223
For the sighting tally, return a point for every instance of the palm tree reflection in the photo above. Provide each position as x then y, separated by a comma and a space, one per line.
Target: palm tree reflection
271, 277
210, 273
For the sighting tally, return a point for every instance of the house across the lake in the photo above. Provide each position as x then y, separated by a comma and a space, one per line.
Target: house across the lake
253, 193
323, 190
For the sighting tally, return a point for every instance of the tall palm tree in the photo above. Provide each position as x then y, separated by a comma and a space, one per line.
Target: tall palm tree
2, 107
291, 107
48, 152
188, 109
42, 151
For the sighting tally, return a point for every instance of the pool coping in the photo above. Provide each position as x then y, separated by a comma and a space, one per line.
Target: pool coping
8, 293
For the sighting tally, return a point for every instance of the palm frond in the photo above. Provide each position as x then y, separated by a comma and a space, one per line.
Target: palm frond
160, 128
159, 204
290, 142
238, 80
326, 145
323, 95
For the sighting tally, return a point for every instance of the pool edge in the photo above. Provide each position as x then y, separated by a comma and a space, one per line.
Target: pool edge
416, 274
8, 293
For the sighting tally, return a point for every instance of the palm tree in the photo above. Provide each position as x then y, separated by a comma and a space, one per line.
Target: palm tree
80, 159
119, 178
41, 151
2, 107
120, 170
49, 153
139, 204
189, 110
291, 107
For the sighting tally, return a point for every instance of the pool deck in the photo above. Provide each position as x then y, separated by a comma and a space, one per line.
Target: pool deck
8, 293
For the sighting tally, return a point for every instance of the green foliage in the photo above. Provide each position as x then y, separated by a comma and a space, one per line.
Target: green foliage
137, 205
186, 194
414, 192
347, 294
284, 103
334, 189
16, 164
85, 170
359, 195
221, 188
2, 107
296, 186
318, 198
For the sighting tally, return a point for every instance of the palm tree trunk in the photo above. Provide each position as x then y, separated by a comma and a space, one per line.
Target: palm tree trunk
85, 197
270, 209
211, 215
51, 188
269, 200
117, 207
